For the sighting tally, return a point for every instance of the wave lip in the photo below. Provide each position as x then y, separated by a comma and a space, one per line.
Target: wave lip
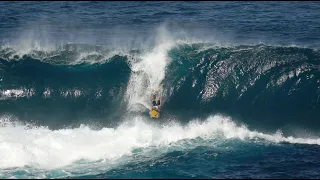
67, 54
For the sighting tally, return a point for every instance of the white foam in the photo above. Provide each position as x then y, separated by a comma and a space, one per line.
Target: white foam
149, 70
91, 57
16, 93
47, 93
71, 93
52, 149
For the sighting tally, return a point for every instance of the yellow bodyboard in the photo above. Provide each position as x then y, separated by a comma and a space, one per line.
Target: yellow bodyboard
154, 114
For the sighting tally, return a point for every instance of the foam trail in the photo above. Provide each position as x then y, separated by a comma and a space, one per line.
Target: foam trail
47, 149
149, 70
16, 93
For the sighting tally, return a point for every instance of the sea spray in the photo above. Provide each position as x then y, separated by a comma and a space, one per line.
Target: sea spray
149, 70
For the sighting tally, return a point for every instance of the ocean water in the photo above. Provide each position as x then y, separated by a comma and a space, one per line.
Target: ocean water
240, 80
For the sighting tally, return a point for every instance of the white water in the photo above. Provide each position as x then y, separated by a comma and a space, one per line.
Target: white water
28, 93
149, 70
16, 93
47, 149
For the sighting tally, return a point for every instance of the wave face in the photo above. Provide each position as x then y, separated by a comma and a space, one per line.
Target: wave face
267, 85
272, 86
56, 95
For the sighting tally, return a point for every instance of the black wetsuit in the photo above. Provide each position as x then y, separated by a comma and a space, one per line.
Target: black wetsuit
156, 104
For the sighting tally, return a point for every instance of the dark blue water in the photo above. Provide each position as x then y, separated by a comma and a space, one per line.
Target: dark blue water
240, 80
